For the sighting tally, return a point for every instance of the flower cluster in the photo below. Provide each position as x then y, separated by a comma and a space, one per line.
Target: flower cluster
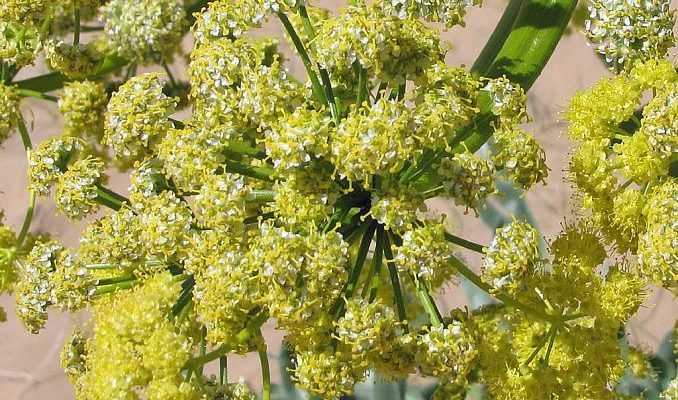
625, 31
622, 165
255, 195
144, 31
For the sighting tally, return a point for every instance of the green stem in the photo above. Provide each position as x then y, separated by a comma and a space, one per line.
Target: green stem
427, 302
241, 148
104, 289
256, 172
362, 85
116, 279
393, 274
324, 75
540, 345
36, 95
28, 217
265, 374
305, 59
536, 32
467, 244
76, 23
223, 370
550, 347
168, 71
373, 277
109, 198
498, 38
361, 256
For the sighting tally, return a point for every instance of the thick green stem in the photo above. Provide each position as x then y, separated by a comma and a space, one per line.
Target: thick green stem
467, 244
265, 374
498, 38
530, 44
109, 198
318, 91
393, 274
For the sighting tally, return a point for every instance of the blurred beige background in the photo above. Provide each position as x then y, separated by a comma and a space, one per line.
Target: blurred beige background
29, 366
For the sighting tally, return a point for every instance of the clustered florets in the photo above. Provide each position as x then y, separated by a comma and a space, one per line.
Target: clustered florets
625, 31
304, 203
622, 164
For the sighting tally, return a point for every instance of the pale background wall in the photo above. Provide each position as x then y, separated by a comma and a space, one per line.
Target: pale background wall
29, 367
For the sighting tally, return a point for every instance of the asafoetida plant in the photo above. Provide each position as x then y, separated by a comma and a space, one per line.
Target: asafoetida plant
302, 202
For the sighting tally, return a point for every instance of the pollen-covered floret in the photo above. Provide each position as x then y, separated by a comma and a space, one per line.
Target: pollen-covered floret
448, 12
165, 224
367, 328
191, 155
232, 18
658, 246
226, 287
396, 208
240, 80
298, 138
9, 111
582, 241
318, 260
305, 198
444, 105
373, 141
144, 30
73, 356
139, 348
327, 374
447, 351
388, 48
113, 239
625, 31
424, 253
49, 161
82, 105
73, 61
30, 12
512, 257
467, 178
48, 276
519, 154
76, 189
137, 117
221, 202
508, 101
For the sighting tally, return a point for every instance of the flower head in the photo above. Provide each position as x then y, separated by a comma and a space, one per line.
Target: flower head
625, 31
82, 105
137, 117
76, 189
146, 30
